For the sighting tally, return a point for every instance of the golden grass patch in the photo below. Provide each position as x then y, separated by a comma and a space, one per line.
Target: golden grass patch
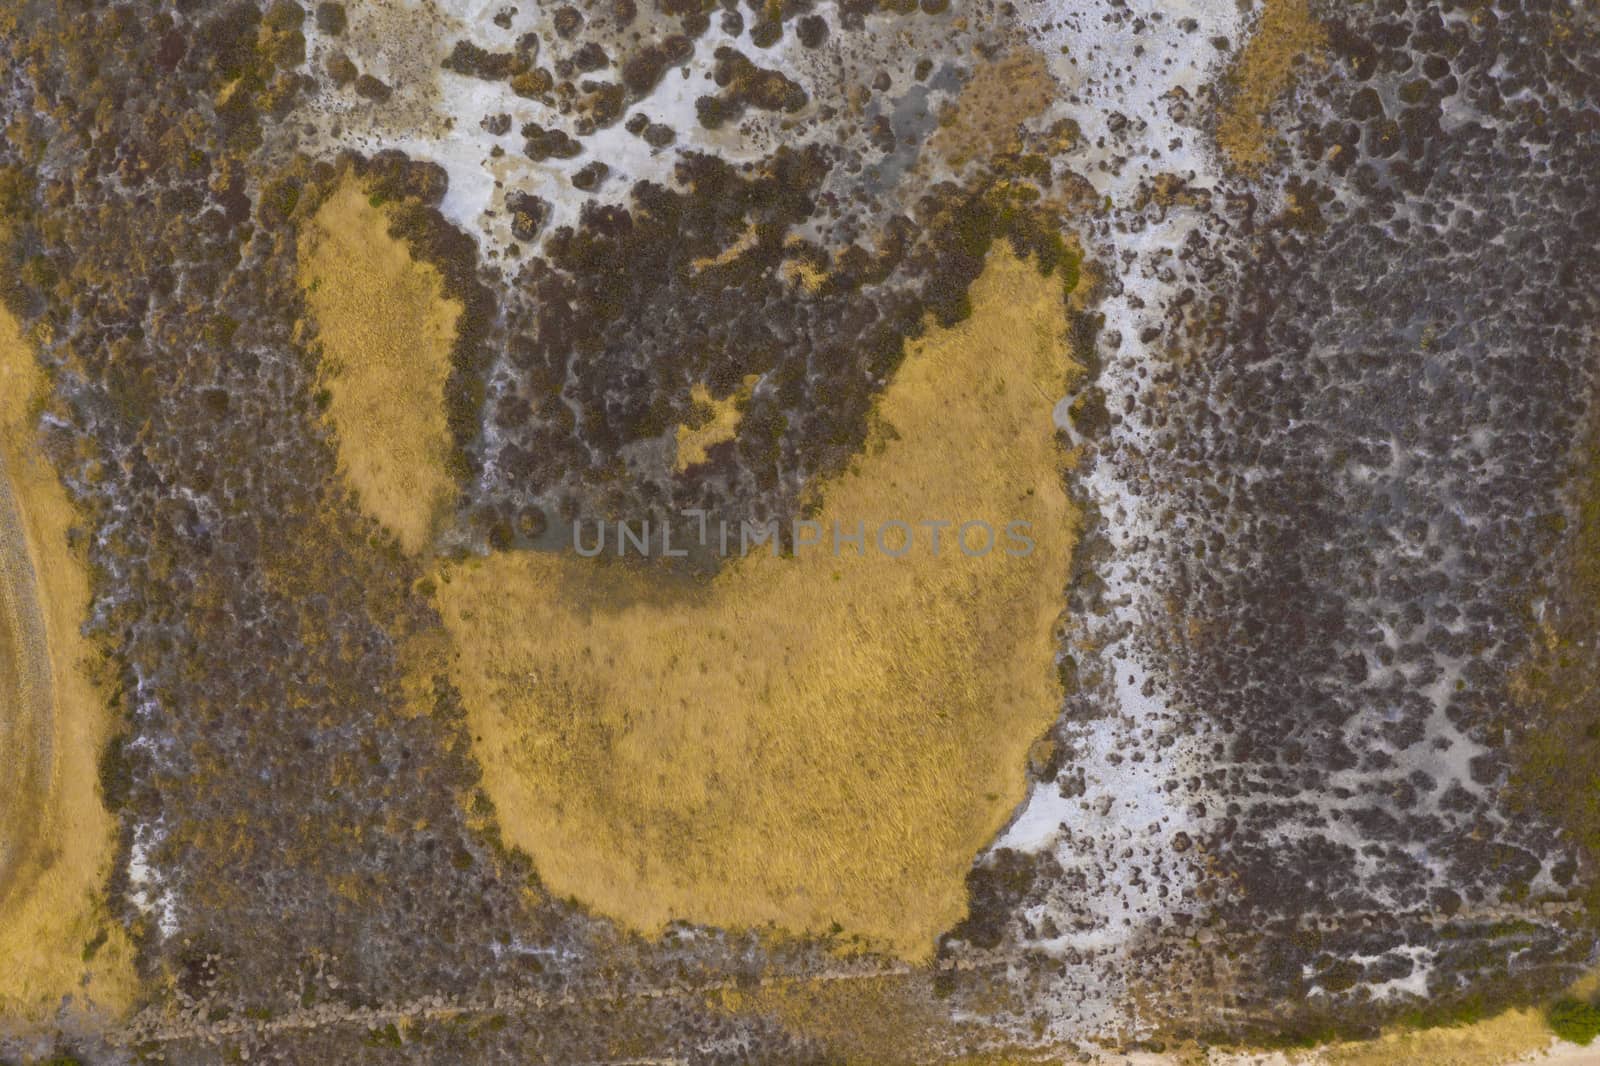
715, 422
747, 241
805, 274
1285, 35
57, 841
803, 740
1512, 1037
386, 329
882, 1021
1000, 96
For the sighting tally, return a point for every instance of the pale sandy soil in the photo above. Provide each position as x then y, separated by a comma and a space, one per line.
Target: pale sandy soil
1443, 1047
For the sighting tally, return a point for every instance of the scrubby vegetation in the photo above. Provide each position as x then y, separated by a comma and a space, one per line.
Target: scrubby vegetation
1558, 748
624, 316
1574, 1020
294, 758
255, 617
744, 84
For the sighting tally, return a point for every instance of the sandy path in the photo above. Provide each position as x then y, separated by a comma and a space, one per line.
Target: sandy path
57, 841
26, 718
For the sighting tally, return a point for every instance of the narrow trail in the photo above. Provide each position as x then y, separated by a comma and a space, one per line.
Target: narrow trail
149, 1028
154, 1027
26, 713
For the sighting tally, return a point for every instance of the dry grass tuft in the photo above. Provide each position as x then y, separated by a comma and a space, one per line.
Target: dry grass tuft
807, 740
1001, 95
746, 242
1264, 70
386, 329
805, 274
57, 841
715, 422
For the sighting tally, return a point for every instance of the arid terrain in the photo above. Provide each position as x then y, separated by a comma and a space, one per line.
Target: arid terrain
822, 532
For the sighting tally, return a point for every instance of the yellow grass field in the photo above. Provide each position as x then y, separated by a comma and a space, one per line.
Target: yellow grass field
57, 841
386, 330
807, 740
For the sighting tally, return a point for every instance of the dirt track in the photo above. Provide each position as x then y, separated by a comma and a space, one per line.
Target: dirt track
57, 841
26, 718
